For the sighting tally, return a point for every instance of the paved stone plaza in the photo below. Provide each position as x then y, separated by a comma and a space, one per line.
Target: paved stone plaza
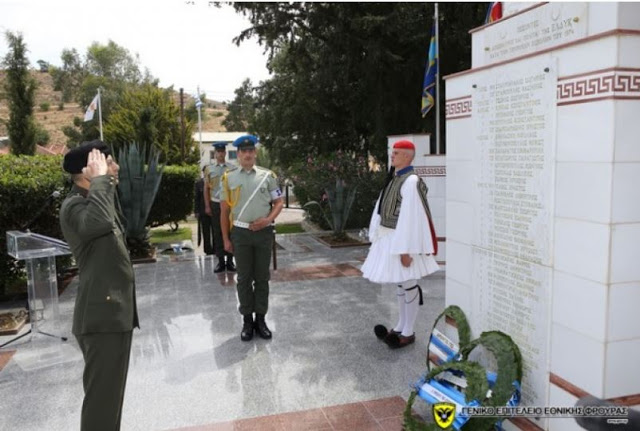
189, 369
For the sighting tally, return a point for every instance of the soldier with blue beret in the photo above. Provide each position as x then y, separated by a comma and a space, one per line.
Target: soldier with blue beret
250, 202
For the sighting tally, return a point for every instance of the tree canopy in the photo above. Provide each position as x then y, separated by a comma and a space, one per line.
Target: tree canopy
241, 110
149, 116
20, 92
68, 78
109, 67
347, 75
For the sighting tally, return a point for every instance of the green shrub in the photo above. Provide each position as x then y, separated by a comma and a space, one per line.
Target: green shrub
44, 106
42, 135
313, 176
61, 106
174, 201
25, 184
27, 181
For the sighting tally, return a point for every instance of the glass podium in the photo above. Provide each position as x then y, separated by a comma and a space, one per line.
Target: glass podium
39, 252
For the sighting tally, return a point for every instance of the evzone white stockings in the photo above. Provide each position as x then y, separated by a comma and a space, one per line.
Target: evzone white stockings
408, 296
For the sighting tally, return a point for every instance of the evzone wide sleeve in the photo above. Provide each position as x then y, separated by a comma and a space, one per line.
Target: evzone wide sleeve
374, 224
412, 234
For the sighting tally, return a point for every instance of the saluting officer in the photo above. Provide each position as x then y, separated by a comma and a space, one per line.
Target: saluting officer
252, 196
212, 176
105, 310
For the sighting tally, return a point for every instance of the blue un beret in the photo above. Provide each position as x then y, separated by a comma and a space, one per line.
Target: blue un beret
76, 158
246, 141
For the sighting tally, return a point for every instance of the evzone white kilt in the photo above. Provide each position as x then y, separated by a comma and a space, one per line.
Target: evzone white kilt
383, 267
411, 236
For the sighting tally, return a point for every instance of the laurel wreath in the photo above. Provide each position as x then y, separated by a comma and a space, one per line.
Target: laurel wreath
509, 361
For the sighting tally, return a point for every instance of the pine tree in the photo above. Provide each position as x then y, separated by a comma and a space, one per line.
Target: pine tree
241, 109
20, 89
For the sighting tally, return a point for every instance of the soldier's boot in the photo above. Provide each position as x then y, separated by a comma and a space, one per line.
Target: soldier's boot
247, 328
222, 267
261, 327
230, 266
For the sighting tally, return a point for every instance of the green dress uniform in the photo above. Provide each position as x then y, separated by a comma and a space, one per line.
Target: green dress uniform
252, 249
105, 309
212, 177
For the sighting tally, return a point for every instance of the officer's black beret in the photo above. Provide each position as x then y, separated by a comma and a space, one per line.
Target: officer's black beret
76, 159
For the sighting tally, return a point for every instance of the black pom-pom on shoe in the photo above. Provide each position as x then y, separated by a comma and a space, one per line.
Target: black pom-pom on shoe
381, 331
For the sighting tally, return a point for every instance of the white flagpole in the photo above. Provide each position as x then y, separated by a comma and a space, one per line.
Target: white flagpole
199, 118
100, 113
437, 83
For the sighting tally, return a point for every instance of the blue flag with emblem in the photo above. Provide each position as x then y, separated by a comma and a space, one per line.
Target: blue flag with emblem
430, 74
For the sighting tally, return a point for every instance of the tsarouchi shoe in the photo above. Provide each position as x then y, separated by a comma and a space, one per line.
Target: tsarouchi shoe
383, 333
396, 341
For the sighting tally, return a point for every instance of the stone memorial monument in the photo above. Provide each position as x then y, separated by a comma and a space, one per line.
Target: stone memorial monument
542, 206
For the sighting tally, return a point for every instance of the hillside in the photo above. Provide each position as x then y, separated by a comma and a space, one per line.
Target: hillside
54, 120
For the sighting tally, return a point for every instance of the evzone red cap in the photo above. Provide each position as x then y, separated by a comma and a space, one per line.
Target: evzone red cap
404, 144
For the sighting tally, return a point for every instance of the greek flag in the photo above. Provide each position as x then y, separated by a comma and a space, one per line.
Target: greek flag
430, 75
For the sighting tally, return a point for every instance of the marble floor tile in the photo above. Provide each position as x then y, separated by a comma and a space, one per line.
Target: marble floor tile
190, 371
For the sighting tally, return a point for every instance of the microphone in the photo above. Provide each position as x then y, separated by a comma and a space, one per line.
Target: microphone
53, 196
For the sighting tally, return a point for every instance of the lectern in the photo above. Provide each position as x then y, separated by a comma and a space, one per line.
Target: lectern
39, 252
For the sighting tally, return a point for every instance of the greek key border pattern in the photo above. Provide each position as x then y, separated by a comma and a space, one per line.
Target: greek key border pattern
431, 171
460, 108
609, 84
615, 84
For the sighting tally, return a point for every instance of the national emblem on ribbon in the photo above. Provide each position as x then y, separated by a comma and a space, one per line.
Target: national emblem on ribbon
444, 414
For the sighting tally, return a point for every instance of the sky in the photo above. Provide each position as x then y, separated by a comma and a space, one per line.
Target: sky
183, 43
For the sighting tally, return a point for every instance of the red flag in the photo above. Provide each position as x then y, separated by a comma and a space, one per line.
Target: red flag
494, 13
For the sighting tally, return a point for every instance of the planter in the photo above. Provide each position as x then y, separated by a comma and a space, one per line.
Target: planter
12, 322
350, 241
150, 258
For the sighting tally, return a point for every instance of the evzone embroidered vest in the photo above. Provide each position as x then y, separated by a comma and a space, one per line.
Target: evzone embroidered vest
392, 201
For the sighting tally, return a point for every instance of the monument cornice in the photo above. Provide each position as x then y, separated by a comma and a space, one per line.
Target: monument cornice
616, 83
609, 33
613, 83
501, 20
457, 108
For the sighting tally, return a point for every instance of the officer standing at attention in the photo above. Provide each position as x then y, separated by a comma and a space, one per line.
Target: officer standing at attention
250, 194
205, 228
212, 175
105, 311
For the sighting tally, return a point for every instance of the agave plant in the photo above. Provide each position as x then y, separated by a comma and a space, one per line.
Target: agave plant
340, 200
140, 176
